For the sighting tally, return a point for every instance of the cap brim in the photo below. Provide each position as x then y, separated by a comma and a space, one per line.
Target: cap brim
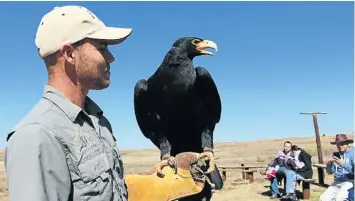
112, 35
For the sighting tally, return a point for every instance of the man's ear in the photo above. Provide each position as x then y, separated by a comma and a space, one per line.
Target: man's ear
67, 51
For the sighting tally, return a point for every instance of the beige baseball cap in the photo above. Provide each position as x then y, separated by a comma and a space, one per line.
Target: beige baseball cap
70, 24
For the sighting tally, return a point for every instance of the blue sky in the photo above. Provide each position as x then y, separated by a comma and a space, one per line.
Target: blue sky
274, 60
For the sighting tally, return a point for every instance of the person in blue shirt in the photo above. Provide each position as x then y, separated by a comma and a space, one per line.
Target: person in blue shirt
351, 194
343, 169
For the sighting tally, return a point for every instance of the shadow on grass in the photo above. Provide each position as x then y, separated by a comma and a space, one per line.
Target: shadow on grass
267, 193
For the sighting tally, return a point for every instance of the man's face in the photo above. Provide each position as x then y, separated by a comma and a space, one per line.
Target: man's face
287, 147
93, 64
342, 147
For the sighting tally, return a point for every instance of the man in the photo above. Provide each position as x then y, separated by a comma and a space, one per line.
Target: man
301, 170
342, 168
65, 149
280, 161
351, 194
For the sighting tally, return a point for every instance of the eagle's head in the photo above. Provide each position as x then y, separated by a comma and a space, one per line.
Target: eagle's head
194, 46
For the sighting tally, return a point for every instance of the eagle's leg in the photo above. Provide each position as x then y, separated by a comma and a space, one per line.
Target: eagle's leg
165, 157
207, 145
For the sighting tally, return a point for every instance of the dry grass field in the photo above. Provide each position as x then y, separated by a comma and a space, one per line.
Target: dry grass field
231, 153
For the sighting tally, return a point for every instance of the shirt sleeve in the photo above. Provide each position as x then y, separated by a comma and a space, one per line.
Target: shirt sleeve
350, 166
36, 166
330, 168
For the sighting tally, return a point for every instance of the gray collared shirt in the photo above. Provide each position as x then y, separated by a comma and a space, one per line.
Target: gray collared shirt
60, 152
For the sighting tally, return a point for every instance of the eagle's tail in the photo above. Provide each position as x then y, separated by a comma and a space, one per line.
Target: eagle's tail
216, 178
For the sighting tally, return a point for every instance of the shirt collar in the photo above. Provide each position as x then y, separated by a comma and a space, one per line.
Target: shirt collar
68, 107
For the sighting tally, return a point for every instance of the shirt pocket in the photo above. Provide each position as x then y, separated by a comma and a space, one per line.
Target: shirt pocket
93, 167
93, 170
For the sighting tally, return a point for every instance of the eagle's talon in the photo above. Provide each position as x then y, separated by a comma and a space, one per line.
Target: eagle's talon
160, 174
165, 162
209, 154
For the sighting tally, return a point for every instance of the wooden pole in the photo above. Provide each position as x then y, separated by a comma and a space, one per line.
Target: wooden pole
316, 129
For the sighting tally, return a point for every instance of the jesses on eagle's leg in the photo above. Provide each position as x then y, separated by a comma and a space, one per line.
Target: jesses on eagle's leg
165, 157
207, 145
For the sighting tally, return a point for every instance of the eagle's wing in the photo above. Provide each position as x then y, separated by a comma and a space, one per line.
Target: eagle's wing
208, 94
147, 119
212, 108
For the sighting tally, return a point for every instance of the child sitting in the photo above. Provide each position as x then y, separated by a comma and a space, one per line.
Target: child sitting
280, 160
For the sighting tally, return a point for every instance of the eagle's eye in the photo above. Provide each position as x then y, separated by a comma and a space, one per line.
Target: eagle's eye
195, 41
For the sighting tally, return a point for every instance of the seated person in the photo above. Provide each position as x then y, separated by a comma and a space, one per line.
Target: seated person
343, 169
351, 194
280, 166
295, 164
301, 170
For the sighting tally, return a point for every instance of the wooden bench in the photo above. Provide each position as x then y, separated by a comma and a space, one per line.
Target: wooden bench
320, 170
224, 171
246, 172
249, 175
306, 190
250, 165
306, 187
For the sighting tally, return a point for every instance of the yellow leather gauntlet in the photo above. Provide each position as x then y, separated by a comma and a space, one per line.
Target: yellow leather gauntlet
185, 180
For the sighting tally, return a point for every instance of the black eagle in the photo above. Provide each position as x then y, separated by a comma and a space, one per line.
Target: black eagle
178, 107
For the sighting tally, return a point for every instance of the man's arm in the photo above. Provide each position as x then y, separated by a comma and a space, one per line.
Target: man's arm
272, 161
349, 166
330, 168
36, 166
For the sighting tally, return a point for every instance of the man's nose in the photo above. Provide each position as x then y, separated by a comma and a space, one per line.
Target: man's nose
109, 57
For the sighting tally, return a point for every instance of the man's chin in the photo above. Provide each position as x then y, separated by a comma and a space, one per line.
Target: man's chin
103, 85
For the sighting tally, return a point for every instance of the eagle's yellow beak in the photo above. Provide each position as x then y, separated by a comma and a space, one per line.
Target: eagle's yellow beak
206, 44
